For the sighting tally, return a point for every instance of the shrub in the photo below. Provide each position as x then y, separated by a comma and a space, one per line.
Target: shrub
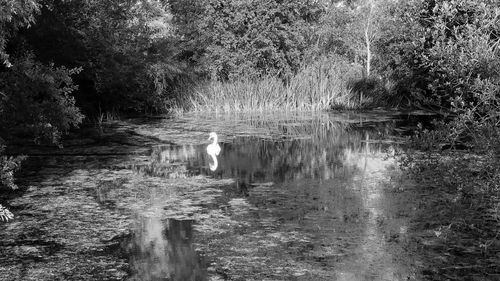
463, 51
463, 61
5, 214
8, 165
371, 91
171, 83
36, 99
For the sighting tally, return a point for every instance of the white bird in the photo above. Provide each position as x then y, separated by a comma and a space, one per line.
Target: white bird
214, 147
213, 150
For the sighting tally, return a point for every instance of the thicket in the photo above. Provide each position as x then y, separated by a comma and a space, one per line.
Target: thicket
450, 64
123, 48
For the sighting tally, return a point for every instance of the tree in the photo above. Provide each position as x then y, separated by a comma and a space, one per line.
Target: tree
369, 35
14, 14
37, 100
34, 96
248, 38
352, 29
118, 45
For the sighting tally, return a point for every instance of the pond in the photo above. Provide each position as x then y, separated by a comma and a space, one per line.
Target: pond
289, 197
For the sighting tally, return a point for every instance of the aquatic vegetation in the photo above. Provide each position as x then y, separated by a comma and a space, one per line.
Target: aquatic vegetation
305, 195
322, 85
301, 142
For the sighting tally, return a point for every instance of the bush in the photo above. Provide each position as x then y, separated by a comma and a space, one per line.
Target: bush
372, 91
5, 214
8, 165
463, 62
36, 99
463, 51
444, 56
171, 83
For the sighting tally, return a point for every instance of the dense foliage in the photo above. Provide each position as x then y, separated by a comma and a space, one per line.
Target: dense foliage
447, 60
229, 39
138, 55
8, 165
37, 99
256, 38
118, 45
13, 16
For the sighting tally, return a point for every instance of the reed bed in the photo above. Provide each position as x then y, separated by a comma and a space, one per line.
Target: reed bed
322, 85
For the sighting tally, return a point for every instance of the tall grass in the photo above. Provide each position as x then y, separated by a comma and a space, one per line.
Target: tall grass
321, 85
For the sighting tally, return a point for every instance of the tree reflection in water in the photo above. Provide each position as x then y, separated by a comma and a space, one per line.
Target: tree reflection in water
312, 185
163, 250
312, 150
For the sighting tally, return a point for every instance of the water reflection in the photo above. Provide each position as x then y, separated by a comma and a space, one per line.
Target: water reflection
375, 259
317, 186
163, 250
314, 152
214, 163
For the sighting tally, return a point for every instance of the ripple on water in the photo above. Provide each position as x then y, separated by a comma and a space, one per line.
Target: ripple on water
309, 198
294, 197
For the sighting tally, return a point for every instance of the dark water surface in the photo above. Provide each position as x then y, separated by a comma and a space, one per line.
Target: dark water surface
311, 200
290, 197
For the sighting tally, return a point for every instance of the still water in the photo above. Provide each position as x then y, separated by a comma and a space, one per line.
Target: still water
302, 198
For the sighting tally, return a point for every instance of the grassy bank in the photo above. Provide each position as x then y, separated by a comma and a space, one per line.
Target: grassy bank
322, 85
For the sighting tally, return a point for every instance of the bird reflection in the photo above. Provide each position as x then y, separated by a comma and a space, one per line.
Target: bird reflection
214, 163
213, 150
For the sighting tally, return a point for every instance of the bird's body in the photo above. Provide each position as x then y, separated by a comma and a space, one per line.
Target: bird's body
214, 147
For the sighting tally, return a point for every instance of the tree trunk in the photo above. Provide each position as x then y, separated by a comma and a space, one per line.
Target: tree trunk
368, 53
368, 39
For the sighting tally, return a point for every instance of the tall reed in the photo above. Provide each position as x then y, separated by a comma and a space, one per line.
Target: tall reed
318, 86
